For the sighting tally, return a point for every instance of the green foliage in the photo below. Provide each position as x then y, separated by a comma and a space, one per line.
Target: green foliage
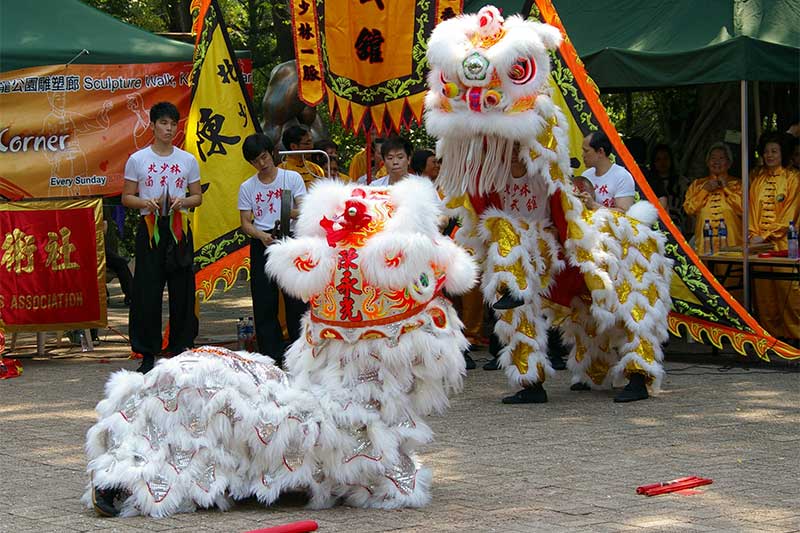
657, 116
149, 15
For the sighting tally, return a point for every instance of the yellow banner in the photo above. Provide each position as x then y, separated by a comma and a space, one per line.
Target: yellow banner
217, 124
307, 51
371, 56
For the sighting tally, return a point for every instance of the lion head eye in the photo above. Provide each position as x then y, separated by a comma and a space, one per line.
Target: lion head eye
522, 71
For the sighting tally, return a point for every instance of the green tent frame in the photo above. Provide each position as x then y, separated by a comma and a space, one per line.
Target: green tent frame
648, 44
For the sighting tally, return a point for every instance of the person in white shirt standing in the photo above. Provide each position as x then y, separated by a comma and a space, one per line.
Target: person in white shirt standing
613, 185
259, 209
163, 183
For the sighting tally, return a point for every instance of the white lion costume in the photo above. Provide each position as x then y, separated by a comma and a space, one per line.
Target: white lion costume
489, 89
381, 349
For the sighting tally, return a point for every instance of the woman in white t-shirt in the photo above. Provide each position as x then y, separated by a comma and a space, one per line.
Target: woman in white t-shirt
259, 209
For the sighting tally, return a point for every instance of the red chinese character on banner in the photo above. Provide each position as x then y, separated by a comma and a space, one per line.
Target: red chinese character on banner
348, 286
149, 181
259, 198
179, 182
175, 169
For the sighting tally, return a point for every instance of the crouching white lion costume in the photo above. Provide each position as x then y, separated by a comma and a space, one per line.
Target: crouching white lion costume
489, 106
381, 349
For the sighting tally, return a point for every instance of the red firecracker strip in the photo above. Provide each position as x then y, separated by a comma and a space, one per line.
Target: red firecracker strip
295, 527
675, 485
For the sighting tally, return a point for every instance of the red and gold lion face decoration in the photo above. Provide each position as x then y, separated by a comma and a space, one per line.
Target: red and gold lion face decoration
370, 261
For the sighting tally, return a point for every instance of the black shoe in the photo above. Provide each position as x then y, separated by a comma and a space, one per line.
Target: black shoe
507, 301
126, 301
535, 394
469, 361
635, 390
148, 362
580, 386
103, 502
494, 364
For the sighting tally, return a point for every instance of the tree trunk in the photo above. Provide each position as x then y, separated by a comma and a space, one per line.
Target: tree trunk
281, 15
718, 111
180, 19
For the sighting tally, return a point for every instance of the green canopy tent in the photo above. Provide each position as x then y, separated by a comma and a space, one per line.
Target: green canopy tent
650, 44
52, 32
641, 44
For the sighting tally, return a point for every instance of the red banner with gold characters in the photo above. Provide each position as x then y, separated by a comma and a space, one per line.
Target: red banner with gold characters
68, 131
52, 265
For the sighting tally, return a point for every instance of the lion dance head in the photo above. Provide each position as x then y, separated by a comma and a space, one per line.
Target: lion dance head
489, 89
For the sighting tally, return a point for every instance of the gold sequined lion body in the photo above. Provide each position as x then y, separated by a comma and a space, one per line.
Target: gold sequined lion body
602, 274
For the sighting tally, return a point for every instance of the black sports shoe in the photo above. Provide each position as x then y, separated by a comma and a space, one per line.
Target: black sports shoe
635, 390
469, 361
535, 394
507, 301
148, 362
580, 386
103, 502
493, 364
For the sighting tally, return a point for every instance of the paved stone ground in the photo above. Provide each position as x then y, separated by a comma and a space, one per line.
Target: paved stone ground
570, 465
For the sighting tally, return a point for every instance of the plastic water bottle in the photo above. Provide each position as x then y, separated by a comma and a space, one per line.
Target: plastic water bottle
793, 242
250, 334
240, 334
85, 346
722, 233
708, 238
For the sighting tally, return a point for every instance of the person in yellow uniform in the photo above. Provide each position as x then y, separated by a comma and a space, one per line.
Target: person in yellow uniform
298, 137
332, 149
358, 165
716, 197
774, 202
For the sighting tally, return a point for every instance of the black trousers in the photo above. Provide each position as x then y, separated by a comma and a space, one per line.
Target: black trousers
265, 306
119, 266
167, 263
494, 341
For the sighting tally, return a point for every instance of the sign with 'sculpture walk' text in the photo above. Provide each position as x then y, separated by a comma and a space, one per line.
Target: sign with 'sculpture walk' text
68, 130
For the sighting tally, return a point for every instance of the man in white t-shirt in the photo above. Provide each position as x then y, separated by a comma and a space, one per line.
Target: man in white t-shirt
613, 185
396, 154
525, 196
259, 209
163, 183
